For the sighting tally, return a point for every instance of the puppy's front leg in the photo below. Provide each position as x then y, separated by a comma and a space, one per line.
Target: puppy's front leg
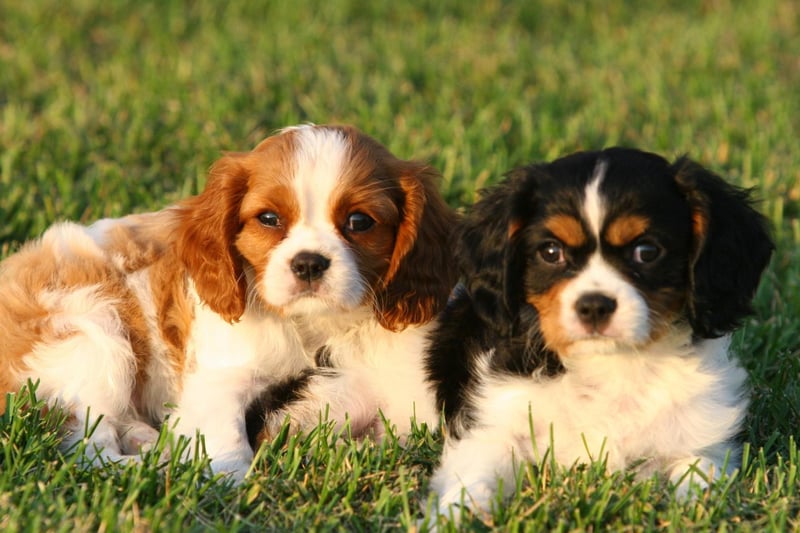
317, 395
471, 469
212, 403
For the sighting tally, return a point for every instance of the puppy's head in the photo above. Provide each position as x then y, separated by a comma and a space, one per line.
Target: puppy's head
614, 247
320, 219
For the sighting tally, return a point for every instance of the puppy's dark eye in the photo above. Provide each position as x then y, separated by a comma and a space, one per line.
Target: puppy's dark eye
552, 252
269, 219
646, 252
358, 222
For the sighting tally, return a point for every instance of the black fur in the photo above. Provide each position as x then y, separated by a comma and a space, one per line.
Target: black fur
323, 357
272, 399
717, 270
731, 255
456, 345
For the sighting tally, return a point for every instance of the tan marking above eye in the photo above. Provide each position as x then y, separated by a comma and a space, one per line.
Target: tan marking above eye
625, 229
566, 229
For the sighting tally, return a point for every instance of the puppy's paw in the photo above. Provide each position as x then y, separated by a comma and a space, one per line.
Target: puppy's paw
235, 469
233, 462
137, 438
693, 475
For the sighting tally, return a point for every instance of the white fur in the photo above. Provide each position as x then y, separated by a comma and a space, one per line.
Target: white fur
677, 404
377, 373
162, 377
90, 355
593, 203
338, 289
93, 359
320, 157
228, 364
630, 322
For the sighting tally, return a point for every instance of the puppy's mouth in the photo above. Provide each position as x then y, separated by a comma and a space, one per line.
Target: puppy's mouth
597, 321
314, 288
308, 290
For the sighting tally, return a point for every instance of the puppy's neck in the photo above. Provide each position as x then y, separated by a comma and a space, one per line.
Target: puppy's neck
676, 342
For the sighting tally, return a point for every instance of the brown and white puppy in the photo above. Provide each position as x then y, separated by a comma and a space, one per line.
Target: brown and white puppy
192, 306
362, 268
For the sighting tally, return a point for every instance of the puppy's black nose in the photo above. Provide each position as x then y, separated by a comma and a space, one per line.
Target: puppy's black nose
595, 309
309, 266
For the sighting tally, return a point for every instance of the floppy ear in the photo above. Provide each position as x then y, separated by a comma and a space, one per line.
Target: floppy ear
421, 271
731, 248
488, 252
208, 228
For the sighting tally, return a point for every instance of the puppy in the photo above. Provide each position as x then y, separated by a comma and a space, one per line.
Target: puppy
363, 266
599, 291
189, 307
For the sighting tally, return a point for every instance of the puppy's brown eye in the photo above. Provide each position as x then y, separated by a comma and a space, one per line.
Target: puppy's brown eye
358, 222
552, 252
646, 252
269, 219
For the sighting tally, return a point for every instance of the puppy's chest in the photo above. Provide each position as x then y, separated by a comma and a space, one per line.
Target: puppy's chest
362, 343
634, 394
335, 350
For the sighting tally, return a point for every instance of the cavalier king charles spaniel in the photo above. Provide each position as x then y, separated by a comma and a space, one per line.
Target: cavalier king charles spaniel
363, 267
599, 292
317, 241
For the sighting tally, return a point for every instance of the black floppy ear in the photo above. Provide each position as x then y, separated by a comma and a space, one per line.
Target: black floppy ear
731, 248
488, 253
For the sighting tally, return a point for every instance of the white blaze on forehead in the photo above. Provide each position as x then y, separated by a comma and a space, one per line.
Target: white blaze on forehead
593, 204
320, 157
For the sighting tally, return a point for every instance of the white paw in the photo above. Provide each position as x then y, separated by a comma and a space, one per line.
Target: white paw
455, 496
137, 438
234, 469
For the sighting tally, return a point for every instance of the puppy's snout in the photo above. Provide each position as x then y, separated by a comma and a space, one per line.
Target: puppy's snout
594, 310
309, 266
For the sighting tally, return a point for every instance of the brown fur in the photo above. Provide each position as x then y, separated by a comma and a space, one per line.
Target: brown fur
405, 256
208, 227
422, 271
374, 248
665, 308
548, 306
26, 321
567, 229
219, 232
625, 229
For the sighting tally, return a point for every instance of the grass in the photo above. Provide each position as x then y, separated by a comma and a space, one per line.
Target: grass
113, 107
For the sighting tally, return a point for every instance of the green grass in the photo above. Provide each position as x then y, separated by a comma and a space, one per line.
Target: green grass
119, 106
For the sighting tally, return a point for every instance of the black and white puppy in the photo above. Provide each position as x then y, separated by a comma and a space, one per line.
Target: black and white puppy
599, 291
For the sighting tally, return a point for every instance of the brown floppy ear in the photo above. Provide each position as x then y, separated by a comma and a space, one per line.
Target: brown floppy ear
206, 235
422, 270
